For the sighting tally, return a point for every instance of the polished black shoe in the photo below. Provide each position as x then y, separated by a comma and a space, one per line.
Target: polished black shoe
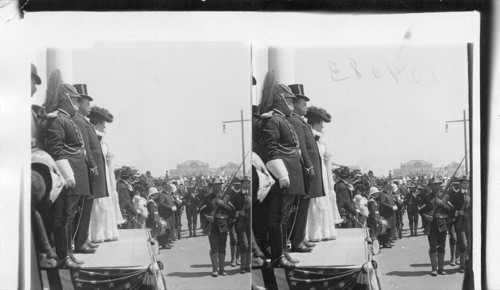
85, 250
388, 246
289, 258
309, 244
283, 262
74, 259
92, 245
69, 264
302, 249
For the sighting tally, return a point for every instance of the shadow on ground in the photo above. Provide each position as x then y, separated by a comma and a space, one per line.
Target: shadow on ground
230, 272
421, 273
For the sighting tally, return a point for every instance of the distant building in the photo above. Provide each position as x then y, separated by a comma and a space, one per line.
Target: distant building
450, 169
229, 168
415, 167
190, 167
196, 167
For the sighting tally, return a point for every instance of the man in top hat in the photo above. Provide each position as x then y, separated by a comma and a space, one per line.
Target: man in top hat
344, 197
241, 201
312, 167
436, 213
282, 157
95, 157
459, 200
202, 192
217, 211
166, 210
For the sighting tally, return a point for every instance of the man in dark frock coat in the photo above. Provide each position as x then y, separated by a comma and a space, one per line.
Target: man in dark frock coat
312, 165
98, 186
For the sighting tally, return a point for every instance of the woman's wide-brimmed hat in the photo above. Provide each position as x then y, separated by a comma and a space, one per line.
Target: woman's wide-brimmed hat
100, 113
320, 113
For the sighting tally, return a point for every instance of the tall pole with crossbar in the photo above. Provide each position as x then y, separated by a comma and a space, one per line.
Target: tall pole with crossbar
464, 121
242, 137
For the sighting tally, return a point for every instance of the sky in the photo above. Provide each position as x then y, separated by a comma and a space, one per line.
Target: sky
382, 118
169, 99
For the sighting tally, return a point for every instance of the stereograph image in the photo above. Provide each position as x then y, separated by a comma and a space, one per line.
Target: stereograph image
213, 162
364, 181
140, 171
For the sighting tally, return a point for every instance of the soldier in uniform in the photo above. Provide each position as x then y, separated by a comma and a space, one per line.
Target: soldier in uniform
398, 214
344, 197
461, 206
313, 182
387, 209
435, 212
282, 156
412, 202
455, 199
167, 209
177, 196
125, 192
241, 201
192, 202
217, 211
202, 192
64, 143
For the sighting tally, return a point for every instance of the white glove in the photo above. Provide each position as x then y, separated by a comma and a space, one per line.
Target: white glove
174, 208
70, 182
395, 208
284, 182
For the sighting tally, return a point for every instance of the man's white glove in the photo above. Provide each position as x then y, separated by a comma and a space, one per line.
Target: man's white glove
70, 182
174, 208
284, 182
394, 207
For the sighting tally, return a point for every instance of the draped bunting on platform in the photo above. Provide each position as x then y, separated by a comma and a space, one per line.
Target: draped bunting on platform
107, 278
331, 278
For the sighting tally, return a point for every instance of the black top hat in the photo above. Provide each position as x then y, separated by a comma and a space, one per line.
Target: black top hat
298, 90
245, 179
82, 90
126, 172
320, 113
34, 75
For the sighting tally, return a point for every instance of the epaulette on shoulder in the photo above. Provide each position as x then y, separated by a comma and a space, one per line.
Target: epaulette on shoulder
52, 115
267, 115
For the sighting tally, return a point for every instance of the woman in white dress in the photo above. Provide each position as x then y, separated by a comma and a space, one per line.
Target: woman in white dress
106, 214
323, 213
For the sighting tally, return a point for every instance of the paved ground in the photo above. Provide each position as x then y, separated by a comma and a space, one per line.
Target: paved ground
187, 265
407, 265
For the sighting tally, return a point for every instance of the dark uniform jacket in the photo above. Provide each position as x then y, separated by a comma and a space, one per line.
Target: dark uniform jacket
63, 140
440, 213
459, 201
237, 200
344, 199
94, 155
280, 141
412, 200
310, 154
386, 208
222, 213
166, 204
125, 199
191, 201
